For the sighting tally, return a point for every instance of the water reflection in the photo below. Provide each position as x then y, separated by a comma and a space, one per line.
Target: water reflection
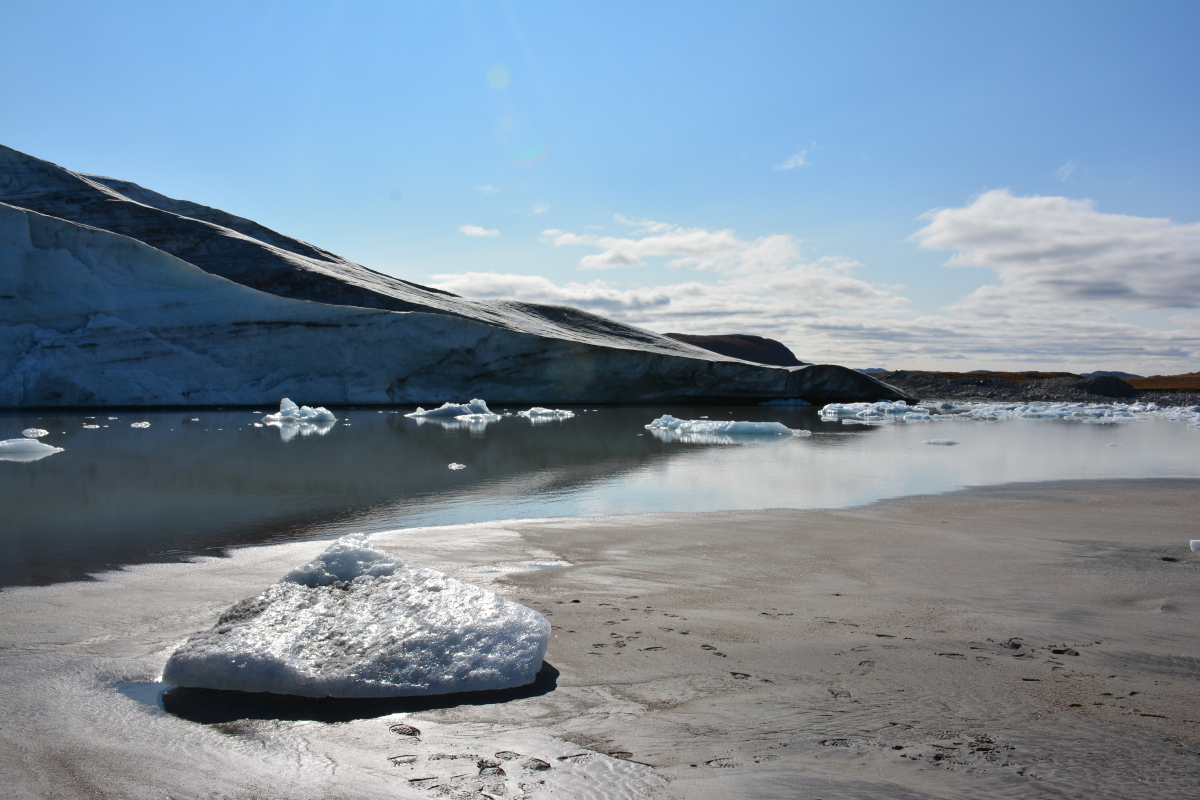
196, 484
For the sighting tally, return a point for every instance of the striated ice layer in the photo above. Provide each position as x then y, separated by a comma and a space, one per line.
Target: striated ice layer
538, 414
888, 413
704, 431
356, 623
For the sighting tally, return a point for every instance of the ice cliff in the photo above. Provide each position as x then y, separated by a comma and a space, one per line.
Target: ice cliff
114, 295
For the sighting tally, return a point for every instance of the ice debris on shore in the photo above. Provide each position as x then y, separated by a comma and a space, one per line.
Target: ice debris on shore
705, 431
34, 433
1196, 545
890, 413
537, 414
354, 622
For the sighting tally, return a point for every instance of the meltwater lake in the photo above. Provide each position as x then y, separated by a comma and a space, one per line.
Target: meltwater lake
198, 482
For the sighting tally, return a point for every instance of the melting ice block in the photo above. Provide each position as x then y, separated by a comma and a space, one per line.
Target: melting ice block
356, 623
1196, 545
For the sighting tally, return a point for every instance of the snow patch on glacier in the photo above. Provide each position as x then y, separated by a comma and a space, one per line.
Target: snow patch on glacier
354, 622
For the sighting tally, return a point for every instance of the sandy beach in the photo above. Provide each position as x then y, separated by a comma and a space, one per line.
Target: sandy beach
1029, 640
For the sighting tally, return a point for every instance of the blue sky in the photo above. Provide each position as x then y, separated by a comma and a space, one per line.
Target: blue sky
909, 185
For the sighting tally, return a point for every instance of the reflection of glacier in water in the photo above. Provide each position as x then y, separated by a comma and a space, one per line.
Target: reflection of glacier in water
194, 484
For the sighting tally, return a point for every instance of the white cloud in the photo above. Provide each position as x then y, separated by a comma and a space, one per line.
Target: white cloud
540, 208
475, 230
765, 286
798, 161
488, 189
1064, 172
1054, 249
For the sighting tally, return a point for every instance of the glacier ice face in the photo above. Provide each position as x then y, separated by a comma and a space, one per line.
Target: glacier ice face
356, 623
113, 295
704, 431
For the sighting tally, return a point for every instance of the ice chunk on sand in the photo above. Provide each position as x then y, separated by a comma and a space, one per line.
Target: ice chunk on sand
34, 433
704, 431
454, 465
538, 414
476, 406
356, 623
26, 450
1196, 545
942, 442
290, 412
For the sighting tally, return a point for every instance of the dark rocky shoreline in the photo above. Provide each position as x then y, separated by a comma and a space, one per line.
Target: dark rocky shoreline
985, 387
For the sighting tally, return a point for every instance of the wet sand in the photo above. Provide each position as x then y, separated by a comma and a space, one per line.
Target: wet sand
1031, 640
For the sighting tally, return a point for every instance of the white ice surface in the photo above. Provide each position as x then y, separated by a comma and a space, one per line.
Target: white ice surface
1196, 545
537, 414
139, 424
355, 623
887, 413
24, 446
475, 407
456, 466
704, 431
34, 433
289, 412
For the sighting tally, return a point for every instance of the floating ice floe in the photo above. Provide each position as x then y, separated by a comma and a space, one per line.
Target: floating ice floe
293, 420
472, 408
704, 431
940, 442
26, 450
356, 623
890, 413
34, 433
92, 427
538, 415
456, 465
139, 424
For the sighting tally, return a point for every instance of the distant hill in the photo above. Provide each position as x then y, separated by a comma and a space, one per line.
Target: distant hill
1103, 374
757, 349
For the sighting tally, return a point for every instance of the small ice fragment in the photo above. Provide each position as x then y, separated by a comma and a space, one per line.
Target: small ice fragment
455, 465
703, 431
356, 623
195, 419
139, 424
1196, 545
942, 442
92, 427
258, 424
34, 433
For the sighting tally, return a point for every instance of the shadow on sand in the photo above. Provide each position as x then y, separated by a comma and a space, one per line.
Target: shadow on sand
217, 706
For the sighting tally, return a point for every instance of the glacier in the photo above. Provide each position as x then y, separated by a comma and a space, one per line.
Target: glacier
354, 622
114, 295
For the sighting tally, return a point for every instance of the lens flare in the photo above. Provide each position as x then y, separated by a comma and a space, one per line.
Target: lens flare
498, 77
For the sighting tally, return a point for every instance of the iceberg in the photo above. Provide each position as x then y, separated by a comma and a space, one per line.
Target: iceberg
114, 295
537, 414
456, 466
476, 408
26, 450
889, 412
34, 433
354, 622
289, 412
705, 431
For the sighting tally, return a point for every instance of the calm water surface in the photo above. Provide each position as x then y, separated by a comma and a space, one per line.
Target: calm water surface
196, 482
